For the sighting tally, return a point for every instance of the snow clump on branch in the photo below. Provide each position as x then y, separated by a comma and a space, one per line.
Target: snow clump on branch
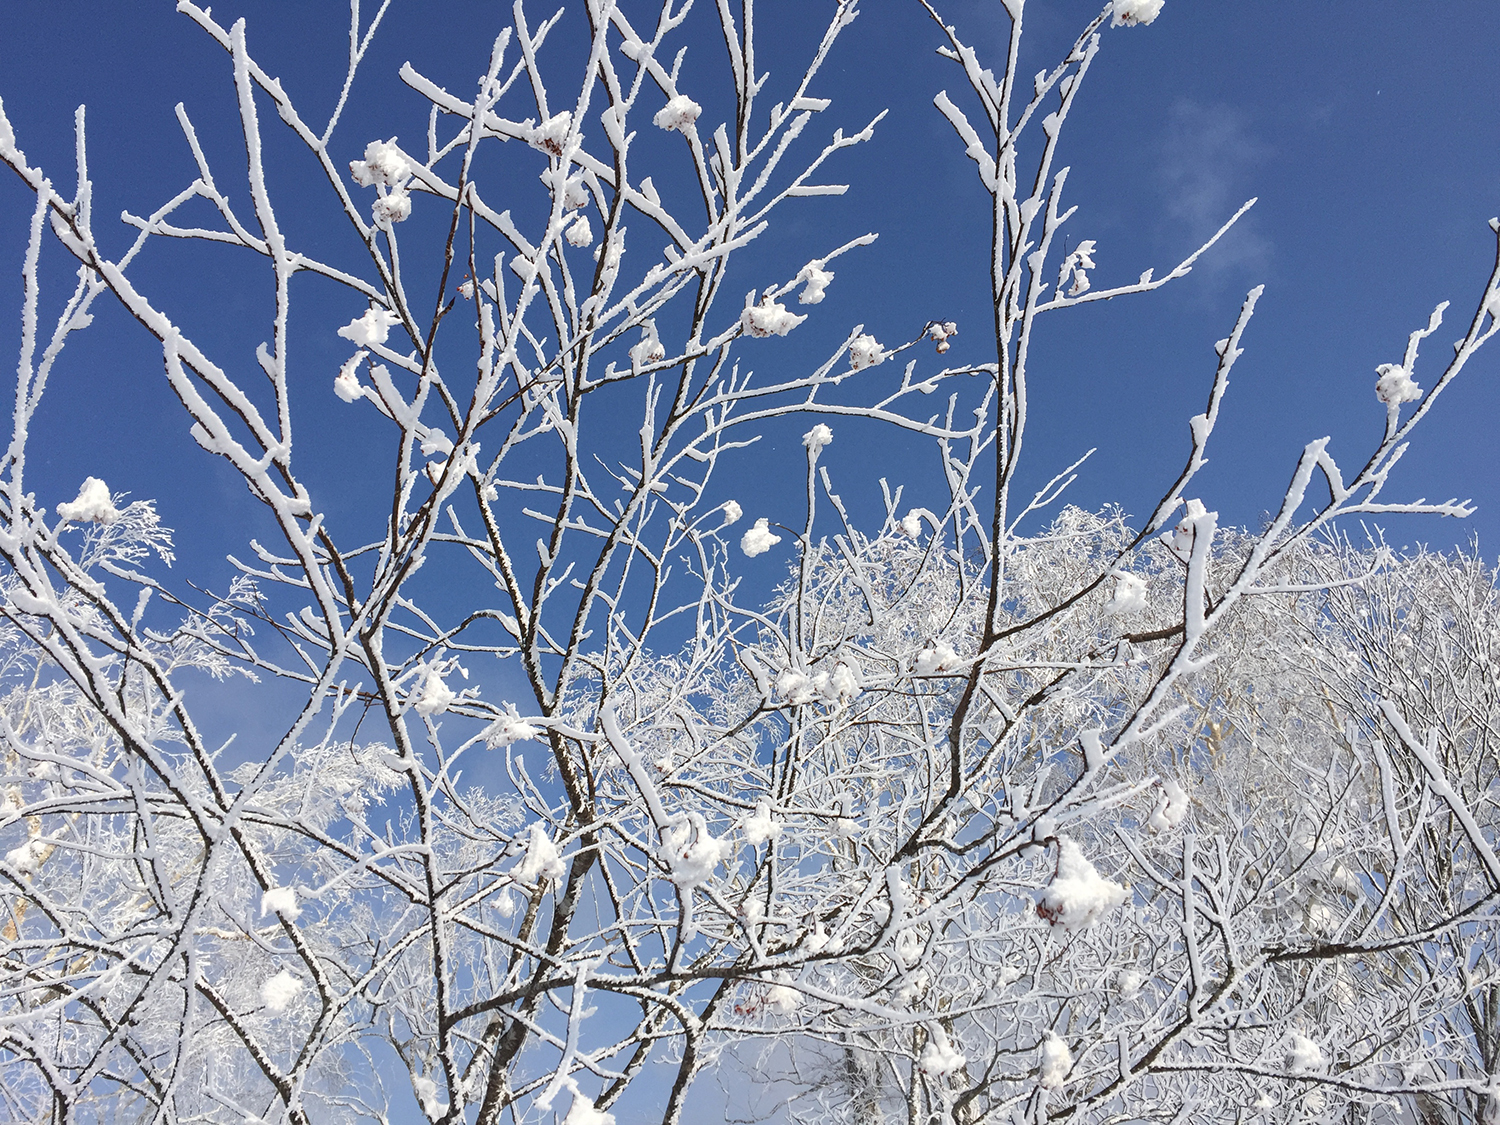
384, 165
1078, 896
1173, 808
769, 318
759, 539
760, 826
1057, 1060
1304, 1055
940, 333
1395, 385
1137, 12
816, 280
693, 853
865, 351
582, 1112
732, 512
1129, 595
551, 133
542, 859
679, 113
372, 328
281, 900
94, 504
279, 991
817, 437
940, 1057
436, 696
346, 383
508, 728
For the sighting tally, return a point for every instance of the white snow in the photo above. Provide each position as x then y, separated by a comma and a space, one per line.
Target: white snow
693, 853
759, 539
1173, 808
759, 826
436, 696
936, 659
1185, 531
281, 900
940, 1057
509, 728
732, 512
1078, 895
817, 437
650, 349
579, 232
814, 281
393, 207
941, 333
383, 164
27, 857
1057, 1060
1138, 12
346, 384
542, 858
582, 1112
911, 524
93, 505
1395, 384
1129, 982
279, 991
372, 328
426, 1091
769, 318
550, 134
1076, 264
781, 1000
678, 113
839, 687
865, 351
1304, 1055
1129, 595
795, 687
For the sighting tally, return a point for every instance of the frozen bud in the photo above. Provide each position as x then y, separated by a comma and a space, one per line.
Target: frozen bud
372, 328
384, 164
282, 901
816, 281
679, 113
940, 332
1395, 385
864, 352
759, 539
346, 384
1135, 12
94, 504
939, 1056
579, 232
550, 134
279, 991
1129, 595
1057, 1060
509, 728
732, 512
817, 437
435, 697
769, 318
393, 207
1078, 895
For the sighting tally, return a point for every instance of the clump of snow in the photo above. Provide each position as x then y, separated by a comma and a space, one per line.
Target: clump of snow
1173, 808
650, 349
818, 940
937, 659
679, 113
911, 524
541, 860
813, 281
579, 232
1186, 530
94, 504
436, 696
574, 192
1129, 595
393, 207
281, 900
384, 164
1057, 1060
27, 857
837, 687
782, 1000
551, 133
914, 987
817, 437
1303, 1055
372, 328
509, 728
940, 1057
769, 318
346, 383
759, 539
427, 1096
941, 333
1078, 895
1076, 265
693, 853
1129, 982
795, 687
865, 351
279, 991
1395, 385
582, 1112
759, 826
1137, 12
732, 512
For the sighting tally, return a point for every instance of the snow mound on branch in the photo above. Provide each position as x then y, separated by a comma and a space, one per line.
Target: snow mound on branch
782, 1000
1187, 527
1173, 808
427, 1096
579, 232
1395, 385
1078, 895
372, 328
551, 133
814, 282
865, 351
27, 857
1137, 12
940, 333
692, 853
582, 1112
509, 728
837, 687
1057, 1060
1129, 983
93, 505
383, 164
393, 207
769, 318
346, 383
732, 512
650, 349
1303, 1055
817, 437
281, 900
436, 696
759, 539
911, 524
759, 826
1129, 595
279, 991
542, 858
678, 113
940, 1057
795, 687
937, 659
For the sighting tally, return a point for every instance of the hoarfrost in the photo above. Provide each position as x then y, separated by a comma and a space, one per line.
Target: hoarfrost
582, 1112
509, 728
384, 164
579, 232
436, 696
